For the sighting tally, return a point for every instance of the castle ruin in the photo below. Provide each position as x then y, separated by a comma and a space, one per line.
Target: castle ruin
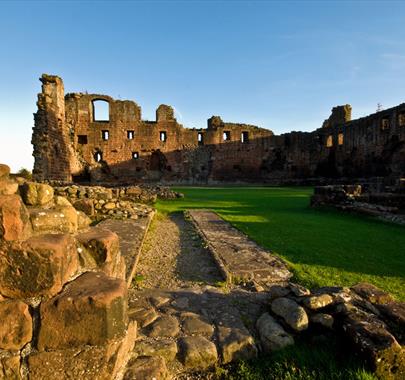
72, 144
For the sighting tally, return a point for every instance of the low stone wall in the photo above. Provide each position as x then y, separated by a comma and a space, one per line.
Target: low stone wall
368, 318
385, 206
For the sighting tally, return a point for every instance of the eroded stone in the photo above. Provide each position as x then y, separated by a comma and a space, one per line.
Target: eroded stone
91, 310
39, 266
198, 352
292, 313
272, 335
16, 325
14, 218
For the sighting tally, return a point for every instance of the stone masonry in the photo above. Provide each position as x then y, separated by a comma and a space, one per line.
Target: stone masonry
70, 144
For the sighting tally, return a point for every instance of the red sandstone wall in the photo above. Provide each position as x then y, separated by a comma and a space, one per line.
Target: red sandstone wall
66, 140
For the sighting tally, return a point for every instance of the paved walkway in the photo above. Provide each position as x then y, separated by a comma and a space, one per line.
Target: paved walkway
132, 234
238, 257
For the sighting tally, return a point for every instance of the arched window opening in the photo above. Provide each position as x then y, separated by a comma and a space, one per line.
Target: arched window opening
329, 141
135, 155
101, 110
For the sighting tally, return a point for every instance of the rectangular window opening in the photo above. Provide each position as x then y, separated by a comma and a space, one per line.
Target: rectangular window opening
163, 136
385, 124
105, 135
130, 135
329, 141
226, 135
244, 137
82, 139
401, 119
200, 138
340, 138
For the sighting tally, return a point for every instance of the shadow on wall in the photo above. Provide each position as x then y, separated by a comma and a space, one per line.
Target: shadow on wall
261, 160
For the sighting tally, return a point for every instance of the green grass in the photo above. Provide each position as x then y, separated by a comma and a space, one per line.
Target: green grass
303, 361
322, 247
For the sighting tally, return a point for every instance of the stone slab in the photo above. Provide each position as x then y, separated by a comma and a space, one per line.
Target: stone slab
132, 234
238, 257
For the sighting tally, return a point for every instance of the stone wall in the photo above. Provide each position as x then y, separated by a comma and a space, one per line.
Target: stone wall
71, 144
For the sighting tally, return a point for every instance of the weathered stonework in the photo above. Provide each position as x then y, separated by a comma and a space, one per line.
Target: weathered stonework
70, 144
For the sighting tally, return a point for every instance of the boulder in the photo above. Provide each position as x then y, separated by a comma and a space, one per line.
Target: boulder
375, 343
103, 362
197, 352
36, 194
165, 326
8, 187
4, 171
292, 313
9, 366
299, 290
104, 247
394, 315
322, 319
372, 294
236, 344
195, 325
147, 367
39, 266
83, 221
91, 310
272, 335
61, 201
318, 302
14, 218
16, 325
86, 205
165, 348
60, 219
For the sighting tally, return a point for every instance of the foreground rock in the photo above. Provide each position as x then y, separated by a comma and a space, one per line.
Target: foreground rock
36, 194
39, 266
16, 325
91, 310
272, 335
197, 352
14, 218
375, 343
293, 314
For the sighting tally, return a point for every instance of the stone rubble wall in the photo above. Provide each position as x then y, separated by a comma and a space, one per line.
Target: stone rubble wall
388, 206
69, 145
63, 289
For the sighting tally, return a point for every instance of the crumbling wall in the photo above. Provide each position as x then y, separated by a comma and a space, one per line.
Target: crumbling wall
71, 144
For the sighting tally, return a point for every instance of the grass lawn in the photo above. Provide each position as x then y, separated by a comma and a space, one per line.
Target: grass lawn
322, 247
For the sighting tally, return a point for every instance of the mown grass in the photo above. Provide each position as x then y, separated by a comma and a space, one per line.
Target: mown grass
303, 361
323, 247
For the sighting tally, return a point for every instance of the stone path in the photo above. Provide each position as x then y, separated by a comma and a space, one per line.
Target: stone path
173, 256
188, 318
132, 234
238, 257
182, 332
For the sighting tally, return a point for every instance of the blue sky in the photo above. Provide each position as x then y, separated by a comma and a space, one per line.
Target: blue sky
279, 65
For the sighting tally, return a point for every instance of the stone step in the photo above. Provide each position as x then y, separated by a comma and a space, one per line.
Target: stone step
132, 235
238, 257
